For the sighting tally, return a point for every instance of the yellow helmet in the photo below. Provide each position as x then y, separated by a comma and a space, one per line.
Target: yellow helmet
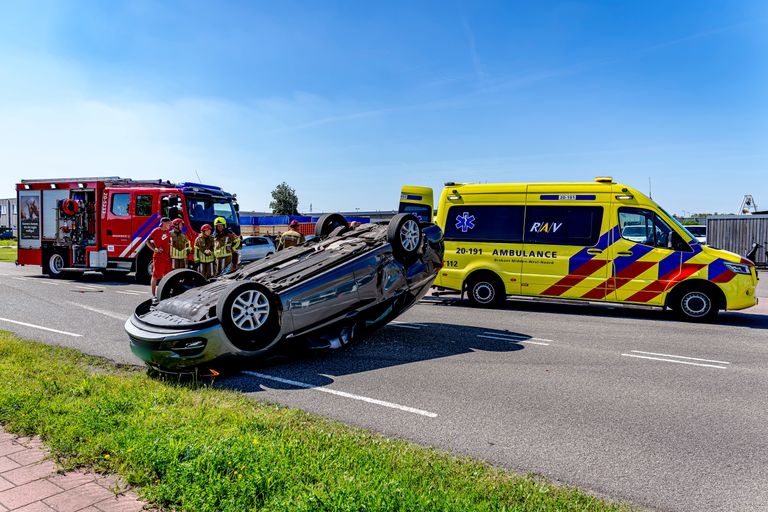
220, 220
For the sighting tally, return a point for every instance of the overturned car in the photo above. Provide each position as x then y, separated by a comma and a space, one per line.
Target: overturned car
340, 285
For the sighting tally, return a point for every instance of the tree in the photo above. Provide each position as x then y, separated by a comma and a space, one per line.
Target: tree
284, 200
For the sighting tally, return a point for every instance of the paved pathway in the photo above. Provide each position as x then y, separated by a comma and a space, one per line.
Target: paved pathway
29, 483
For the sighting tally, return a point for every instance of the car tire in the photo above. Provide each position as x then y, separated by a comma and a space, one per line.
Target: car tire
178, 281
327, 223
486, 291
250, 316
404, 235
695, 304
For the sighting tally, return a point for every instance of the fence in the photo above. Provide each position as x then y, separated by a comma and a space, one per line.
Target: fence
736, 233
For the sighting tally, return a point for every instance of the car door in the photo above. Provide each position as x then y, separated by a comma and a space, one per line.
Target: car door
644, 265
146, 217
117, 225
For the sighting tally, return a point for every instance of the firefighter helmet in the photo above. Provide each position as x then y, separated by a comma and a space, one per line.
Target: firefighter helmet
220, 220
206, 226
294, 223
177, 222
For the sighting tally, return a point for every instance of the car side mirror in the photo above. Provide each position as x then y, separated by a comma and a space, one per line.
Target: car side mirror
676, 242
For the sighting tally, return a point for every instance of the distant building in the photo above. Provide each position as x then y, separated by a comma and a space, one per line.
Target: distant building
8, 214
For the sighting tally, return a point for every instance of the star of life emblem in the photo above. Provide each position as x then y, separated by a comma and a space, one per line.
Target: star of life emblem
465, 222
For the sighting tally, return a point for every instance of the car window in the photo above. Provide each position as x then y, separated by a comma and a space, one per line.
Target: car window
485, 223
644, 227
563, 225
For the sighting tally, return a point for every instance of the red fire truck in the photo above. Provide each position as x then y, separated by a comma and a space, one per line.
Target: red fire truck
77, 224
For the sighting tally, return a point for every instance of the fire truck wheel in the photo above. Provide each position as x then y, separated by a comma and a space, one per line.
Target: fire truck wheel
54, 264
249, 314
328, 222
404, 235
178, 281
144, 267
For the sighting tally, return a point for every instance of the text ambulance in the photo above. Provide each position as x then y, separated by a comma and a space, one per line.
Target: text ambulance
598, 241
76, 224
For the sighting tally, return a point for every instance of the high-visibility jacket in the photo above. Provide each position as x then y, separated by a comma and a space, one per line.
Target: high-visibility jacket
180, 246
224, 243
204, 243
290, 238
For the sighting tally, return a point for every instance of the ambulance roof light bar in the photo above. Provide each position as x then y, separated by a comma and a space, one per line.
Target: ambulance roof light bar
604, 179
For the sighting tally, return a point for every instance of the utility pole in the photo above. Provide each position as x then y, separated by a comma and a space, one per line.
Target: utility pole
650, 190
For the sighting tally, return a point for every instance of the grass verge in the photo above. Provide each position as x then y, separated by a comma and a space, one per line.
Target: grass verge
212, 450
7, 253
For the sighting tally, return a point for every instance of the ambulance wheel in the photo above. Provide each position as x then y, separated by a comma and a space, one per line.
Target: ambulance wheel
327, 223
54, 263
178, 281
250, 316
695, 303
485, 290
404, 235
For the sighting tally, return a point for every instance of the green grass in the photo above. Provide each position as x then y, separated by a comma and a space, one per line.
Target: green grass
7, 253
202, 449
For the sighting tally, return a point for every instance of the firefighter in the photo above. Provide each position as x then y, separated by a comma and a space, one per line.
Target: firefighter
180, 246
224, 243
159, 242
204, 257
292, 237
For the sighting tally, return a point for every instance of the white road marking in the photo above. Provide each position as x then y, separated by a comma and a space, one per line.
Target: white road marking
41, 281
680, 357
409, 323
674, 361
404, 325
111, 314
128, 292
344, 394
517, 339
41, 327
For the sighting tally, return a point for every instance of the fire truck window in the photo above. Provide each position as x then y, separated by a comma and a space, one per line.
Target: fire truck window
120, 204
143, 206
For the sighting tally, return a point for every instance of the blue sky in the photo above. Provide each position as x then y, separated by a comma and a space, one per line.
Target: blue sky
347, 101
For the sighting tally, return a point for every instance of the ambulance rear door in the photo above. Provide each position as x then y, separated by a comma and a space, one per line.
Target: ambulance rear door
566, 237
418, 201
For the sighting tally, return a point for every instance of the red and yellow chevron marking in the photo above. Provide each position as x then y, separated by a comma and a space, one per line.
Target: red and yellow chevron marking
659, 286
571, 280
614, 283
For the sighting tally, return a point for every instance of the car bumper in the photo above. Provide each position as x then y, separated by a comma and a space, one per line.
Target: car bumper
176, 349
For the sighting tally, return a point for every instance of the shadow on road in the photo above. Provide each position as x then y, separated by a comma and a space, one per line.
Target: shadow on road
385, 348
750, 318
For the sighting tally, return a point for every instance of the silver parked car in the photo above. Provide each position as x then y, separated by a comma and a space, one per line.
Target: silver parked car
256, 247
326, 292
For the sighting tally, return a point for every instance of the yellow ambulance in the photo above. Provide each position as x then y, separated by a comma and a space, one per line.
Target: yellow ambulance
599, 241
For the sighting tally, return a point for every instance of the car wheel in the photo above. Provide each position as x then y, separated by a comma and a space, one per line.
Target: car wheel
329, 222
486, 291
249, 314
404, 235
178, 281
695, 305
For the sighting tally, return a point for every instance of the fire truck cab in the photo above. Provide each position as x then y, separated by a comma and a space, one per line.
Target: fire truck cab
79, 224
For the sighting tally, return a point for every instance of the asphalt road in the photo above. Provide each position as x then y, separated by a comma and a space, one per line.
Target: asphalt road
629, 404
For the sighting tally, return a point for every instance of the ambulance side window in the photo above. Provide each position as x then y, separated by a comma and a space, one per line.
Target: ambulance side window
563, 225
644, 227
485, 223
143, 206
120, 204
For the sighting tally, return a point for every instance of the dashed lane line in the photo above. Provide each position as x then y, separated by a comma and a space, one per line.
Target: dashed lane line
515, 338
41, 281
674, 361
66, 333
344, 394
110, 314
679, 357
